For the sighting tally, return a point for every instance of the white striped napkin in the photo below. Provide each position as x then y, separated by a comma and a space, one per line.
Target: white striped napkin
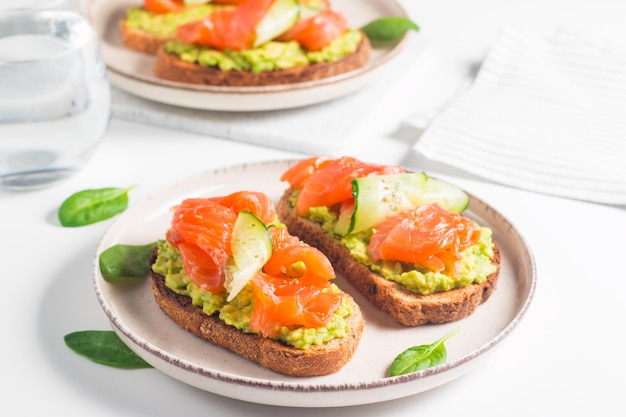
546, 114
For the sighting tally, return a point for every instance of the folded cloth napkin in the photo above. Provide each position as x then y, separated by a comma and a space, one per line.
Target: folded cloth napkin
545, 113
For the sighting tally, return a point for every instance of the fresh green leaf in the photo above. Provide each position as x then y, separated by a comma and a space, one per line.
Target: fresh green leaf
91, 206
104, 347
421, 357
120, 262
388, 29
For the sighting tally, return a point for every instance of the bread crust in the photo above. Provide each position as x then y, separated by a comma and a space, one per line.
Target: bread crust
139, 40
406, 307
276, 356
169, 67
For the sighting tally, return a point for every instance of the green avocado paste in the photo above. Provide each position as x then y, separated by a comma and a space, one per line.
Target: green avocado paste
474, 267
238, 312
270, 56
164, 24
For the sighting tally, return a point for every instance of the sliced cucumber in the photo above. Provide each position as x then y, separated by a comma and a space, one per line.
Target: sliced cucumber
344, 223
252, 247
450, 196
379, 197
282, 15
308, 11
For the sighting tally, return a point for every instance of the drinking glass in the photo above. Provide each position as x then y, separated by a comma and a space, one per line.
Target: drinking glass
54, 94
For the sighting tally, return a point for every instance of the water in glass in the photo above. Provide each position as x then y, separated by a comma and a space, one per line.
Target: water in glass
54, 96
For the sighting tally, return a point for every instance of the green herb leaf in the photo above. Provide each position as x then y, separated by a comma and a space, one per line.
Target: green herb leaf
104, 347
388, 29
91, 206
120, 262
421, 357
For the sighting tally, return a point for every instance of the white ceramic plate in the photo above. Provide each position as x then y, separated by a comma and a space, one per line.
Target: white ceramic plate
132, 71
138, 320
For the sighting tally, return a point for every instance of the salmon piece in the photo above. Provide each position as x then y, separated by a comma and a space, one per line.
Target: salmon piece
297, 174
226, 29
295, 259
164, 6
428, 236
317, 31
200, 230
294, 289
281, 301
291, 290
255, 202
325, 182
235, 28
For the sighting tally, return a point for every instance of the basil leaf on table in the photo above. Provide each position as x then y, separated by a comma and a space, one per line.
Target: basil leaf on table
388, 29
91, 206
104, 347
421, 357
120, 262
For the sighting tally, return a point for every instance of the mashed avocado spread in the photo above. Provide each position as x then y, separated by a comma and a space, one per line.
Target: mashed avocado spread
164, 24
238, 312
270, 56
475, 265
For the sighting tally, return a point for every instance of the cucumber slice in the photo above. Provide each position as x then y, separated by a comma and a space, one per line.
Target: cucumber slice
252, 247
308, 11
380, 197
282, 15
344, 223
450, 196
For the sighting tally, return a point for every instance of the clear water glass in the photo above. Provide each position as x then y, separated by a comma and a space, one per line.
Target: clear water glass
54, 94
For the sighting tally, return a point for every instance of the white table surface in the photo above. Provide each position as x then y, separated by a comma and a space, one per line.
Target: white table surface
564, 358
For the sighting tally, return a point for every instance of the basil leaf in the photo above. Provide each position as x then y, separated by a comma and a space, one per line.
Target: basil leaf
91, 206
388, 29
104, 347
421, 357
120, 262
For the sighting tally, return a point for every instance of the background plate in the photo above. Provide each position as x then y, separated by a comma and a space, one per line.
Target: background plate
138, 320
132, 71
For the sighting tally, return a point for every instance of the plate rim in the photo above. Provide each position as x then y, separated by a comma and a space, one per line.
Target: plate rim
141, 346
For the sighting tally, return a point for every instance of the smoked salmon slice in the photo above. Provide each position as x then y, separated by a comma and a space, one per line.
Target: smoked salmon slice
294, 290
429, 236
325, 182
164, 6
317, 31
200, 229
291, 290
226, 29
255, 202
235, 29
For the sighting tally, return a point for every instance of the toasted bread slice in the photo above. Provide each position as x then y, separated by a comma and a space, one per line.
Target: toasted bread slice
406, 307
141, 41
170, 67
279, 357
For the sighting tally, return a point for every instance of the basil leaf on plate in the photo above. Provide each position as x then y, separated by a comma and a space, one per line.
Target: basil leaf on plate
121, 263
